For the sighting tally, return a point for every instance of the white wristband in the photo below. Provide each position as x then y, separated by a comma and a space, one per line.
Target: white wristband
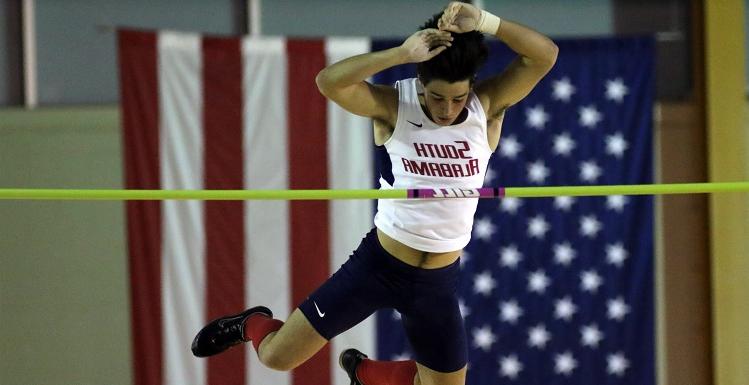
488, 23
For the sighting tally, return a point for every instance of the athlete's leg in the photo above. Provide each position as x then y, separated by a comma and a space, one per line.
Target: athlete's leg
370, 372
439, 342
433, 323
280, 345
352, 294
434, 326
363, 371
293, 344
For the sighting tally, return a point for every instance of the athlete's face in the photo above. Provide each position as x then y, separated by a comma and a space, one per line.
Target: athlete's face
445, 101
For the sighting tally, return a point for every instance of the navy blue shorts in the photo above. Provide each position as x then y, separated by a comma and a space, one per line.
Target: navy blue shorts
373, 279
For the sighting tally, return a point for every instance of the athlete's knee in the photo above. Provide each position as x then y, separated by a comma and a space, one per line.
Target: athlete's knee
276, 360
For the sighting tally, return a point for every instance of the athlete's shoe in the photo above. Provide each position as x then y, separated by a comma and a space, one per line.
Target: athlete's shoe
349, 360
225, 332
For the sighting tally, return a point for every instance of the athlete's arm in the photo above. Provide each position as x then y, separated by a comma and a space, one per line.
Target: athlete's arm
345, 82
536, 55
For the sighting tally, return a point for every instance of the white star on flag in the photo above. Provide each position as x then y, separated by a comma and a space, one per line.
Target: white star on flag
616, 254
590, 226
538, 281
401, 357
564, 309
510, 312
483, 229
617, 364
536, 117
563, 89
616, 202
565, 363
483, 338
563, 144
616, 145
510, 204
538, 172
538, 336
589, 116
484, 283
510, 366
590, 280
396, 315
617, 308
616, 90
510, 257
591, 335
537, 227
510, 147
564, 253
563, 202
589, 171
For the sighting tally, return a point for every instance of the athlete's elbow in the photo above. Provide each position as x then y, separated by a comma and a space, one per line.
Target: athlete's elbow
324, 83
551, 51
544, 58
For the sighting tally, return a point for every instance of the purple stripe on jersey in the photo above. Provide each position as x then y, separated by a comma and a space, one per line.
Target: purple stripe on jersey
484, 192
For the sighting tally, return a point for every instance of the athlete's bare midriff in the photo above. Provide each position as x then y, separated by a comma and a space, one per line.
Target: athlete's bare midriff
414, 257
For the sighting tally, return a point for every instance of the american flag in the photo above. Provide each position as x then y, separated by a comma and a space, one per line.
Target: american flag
205, 112
561, 290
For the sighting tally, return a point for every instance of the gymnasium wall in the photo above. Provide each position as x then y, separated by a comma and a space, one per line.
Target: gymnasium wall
64, 313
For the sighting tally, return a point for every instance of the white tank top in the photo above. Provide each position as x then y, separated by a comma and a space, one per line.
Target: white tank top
424, 154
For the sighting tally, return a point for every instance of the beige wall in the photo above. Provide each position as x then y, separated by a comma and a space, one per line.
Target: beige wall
63, 290
727, 135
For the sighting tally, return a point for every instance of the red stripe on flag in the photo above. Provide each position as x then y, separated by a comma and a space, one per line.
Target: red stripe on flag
140, 120
224, 220
308, 169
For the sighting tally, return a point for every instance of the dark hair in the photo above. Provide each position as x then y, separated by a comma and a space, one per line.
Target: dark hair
459, 62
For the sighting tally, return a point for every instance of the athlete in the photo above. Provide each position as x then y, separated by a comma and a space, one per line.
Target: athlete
439, 130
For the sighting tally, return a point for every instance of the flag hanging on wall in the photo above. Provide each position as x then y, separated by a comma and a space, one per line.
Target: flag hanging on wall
554, 291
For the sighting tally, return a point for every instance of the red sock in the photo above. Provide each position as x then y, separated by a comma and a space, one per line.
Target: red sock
258, 327
372, 372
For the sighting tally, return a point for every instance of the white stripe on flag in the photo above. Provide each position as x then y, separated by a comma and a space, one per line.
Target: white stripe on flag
350, 167
183, 254
266, 167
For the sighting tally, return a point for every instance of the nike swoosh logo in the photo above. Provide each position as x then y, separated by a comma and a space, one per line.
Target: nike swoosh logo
417, 125
321, 314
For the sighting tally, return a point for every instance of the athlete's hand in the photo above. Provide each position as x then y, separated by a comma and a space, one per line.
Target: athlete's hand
426, 44
459, 18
